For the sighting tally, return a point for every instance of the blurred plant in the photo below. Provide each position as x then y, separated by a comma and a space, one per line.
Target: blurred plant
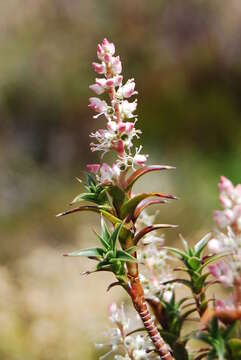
125, 252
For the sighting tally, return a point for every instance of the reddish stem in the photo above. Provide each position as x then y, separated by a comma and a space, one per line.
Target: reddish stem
136, 293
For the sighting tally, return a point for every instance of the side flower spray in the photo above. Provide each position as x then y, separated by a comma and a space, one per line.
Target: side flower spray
131, 238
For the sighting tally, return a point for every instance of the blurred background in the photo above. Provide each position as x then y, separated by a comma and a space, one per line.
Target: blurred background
186, 60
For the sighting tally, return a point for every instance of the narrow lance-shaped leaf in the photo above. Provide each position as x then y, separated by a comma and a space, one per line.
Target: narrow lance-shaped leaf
103, 241
92, 252
129, 206
144, 204
214, 258
199, 247
114, 238
125, 256
80, 208
150, 228
146, 169
181, 254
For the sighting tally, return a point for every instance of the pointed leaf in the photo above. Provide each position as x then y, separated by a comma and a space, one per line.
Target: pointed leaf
144, 204
214, 258
114, 237
103, 242
92, 252
150, 228
177, 252
80, 208
129, 206
199, 247
105, 231
125, 256
144, 170
179, 281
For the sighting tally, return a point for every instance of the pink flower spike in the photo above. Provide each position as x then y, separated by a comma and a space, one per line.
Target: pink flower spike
93, 168
99, 68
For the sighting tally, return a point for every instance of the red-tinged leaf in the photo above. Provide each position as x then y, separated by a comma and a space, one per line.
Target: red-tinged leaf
129, 206
144, 204
144, 170
150, 228
80, 208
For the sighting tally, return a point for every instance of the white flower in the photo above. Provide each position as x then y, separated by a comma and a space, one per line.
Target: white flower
127, 108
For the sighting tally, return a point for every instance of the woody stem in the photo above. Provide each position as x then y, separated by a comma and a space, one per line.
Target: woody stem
136, 293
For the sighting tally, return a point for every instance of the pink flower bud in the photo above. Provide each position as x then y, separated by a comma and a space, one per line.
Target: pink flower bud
215, 246
99, 68
93, 168
97, 105
116, 65
108, 46
225, 185
225, 201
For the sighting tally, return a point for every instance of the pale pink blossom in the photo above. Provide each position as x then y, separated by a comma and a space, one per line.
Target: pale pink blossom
222, 272
230, 198
107, 173
98, 105
99, 68
139, 159
116, 65
127, 90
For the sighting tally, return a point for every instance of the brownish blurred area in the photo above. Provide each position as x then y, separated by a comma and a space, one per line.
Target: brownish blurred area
186, 60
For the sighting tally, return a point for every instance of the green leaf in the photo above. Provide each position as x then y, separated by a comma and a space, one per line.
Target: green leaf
114, 237
194, 263
125, 256
199, 247
105, 230
235, 346
179, 281
92, 252
213, 259
118, 196
181, 254
103, 242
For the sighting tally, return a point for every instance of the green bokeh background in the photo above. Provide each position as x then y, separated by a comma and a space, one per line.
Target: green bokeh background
185, 57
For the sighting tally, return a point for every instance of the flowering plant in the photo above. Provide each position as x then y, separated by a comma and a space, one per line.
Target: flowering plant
132, 250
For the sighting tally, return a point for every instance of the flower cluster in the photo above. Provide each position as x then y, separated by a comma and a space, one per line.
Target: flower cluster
119, 112
228, 271
155, 260
230, 198
124, 346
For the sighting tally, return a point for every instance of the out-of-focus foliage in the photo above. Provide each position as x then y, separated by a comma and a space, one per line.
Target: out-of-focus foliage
186, 59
